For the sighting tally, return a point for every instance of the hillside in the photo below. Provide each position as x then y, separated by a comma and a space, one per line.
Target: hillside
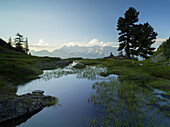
17, 67
5, 45
163, 53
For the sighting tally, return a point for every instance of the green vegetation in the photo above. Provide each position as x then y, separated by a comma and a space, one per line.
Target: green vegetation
17, 68
48, 100
142, 73
125, 104
131, 100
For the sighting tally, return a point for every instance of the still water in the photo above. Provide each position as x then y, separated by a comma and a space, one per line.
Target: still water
73, 88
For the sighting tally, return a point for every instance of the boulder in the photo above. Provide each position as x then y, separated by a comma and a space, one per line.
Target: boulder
38, 92
79, 65
158, 58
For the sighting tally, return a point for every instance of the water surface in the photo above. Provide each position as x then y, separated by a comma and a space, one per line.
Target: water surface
87, 99
73, 88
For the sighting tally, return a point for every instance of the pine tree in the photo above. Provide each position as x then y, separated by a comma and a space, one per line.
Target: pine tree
135, 39
126, 26
10, 41
19, 43
145, 38
26, 46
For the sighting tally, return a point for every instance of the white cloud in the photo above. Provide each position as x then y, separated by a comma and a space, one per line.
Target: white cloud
93, 42
159, 41
42, 43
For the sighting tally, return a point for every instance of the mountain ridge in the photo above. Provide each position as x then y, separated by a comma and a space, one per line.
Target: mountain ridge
78, 51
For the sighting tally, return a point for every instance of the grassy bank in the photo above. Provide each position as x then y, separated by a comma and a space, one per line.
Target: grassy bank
143, 73
17, 68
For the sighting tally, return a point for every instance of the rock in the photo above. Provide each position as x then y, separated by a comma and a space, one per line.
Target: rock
158, 58
120, 58
38, 92
117, 57
167, 63
13, 107
35, 107
79, 65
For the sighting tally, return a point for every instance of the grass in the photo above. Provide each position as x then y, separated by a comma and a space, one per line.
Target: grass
143, 73
125, 104
49, 101
129, 103
17, 68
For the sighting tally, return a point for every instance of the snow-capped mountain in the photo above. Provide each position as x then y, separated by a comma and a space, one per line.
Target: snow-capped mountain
78, 51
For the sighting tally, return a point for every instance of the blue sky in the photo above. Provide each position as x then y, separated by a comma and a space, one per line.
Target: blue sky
56, 22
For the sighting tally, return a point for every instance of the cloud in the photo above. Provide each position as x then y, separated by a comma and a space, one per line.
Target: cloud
93, 42
159, 41
40, 43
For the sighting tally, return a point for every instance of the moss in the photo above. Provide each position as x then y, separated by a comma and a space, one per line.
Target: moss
49, 100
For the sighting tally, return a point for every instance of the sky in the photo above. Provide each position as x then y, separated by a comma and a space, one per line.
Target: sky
51, 23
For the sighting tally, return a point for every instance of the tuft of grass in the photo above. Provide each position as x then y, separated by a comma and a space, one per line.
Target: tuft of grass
93, 86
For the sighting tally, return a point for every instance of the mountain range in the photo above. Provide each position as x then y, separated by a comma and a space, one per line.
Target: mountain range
78, 51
